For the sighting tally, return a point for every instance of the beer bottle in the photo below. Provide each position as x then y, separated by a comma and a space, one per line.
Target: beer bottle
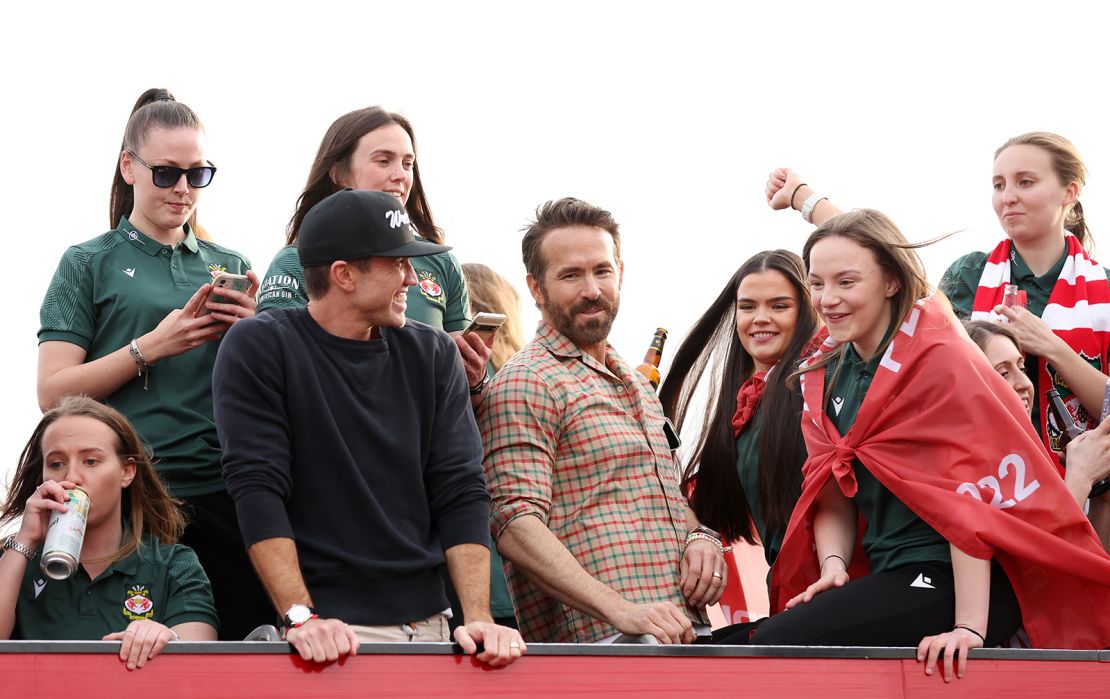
650, 367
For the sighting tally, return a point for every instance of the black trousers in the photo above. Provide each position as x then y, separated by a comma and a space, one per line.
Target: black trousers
893, 608
213, 532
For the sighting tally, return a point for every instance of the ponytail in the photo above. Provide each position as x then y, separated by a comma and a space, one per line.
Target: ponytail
155, 107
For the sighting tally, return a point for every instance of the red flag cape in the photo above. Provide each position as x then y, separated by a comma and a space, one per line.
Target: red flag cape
950, 439
1078, 311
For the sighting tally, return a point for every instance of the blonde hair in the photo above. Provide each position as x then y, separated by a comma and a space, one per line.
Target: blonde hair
492, 293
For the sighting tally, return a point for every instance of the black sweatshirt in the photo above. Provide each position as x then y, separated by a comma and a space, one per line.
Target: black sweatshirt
364, 452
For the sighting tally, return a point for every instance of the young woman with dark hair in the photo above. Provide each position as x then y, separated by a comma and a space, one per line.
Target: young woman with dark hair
131, 567
891, 401
127, 319
748, 455
373, 149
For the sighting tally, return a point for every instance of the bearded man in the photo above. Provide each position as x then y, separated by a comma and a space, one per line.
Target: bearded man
597, 539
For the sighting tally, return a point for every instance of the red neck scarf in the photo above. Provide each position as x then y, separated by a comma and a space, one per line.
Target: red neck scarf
949, 438
747, 400
1078, 311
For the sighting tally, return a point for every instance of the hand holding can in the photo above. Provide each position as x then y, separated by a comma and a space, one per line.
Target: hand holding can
61, 553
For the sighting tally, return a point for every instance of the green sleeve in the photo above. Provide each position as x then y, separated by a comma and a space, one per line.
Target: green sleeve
190, 593
283, 285
67, 311
961, 280
457, 315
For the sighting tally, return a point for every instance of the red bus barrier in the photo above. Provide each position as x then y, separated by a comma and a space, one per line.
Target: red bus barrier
92, 670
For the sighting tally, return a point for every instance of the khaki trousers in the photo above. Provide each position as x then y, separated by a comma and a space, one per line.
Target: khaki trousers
434, 629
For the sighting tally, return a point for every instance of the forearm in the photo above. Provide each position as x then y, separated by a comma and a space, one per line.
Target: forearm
822, 211
1086, 382
972, 580
834, 525
62, 371
530, 546
194, 631
468, 565
13, 565
279, 569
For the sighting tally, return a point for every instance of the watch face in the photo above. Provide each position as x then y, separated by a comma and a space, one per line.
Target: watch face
298, 614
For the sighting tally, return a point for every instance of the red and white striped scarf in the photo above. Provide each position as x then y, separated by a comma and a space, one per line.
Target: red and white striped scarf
1078, 311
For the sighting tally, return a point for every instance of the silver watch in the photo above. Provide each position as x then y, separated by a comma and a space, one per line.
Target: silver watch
11, 543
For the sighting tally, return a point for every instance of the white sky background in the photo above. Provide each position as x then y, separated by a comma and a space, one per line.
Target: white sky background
670, 115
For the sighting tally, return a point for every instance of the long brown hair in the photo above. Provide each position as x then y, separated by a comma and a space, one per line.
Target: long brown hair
718, 499
492, 293
146, 506
874, 231
1069, 167
335, 153
155, 108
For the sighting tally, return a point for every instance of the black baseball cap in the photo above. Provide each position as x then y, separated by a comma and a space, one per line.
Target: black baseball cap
352, 224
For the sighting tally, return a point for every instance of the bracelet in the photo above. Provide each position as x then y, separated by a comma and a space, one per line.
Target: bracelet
702, 536
833, 555
18, 547
809, 204
968, 628
144, 365
481, 386
794, 193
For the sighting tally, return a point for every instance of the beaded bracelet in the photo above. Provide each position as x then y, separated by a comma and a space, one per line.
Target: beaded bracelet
702, 536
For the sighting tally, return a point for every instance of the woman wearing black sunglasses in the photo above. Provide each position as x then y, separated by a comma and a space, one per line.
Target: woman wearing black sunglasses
127, 321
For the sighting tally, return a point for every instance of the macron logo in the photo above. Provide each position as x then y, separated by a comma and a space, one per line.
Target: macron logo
922, 581
130, 271
40, 585
838, 403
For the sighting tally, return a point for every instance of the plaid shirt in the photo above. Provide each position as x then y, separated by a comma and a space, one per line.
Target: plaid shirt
581, 446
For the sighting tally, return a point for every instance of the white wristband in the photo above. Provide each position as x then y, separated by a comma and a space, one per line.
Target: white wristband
808, 206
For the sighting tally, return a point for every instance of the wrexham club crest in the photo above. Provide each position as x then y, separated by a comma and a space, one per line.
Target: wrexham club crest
430, 287
138, 604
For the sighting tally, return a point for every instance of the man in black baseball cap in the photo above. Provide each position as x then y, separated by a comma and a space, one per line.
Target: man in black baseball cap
351, 451
353, 224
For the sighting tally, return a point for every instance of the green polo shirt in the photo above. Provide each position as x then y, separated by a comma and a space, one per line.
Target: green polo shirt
961, 280
164, 583
895, 536
747, 466
119, 286
439, 298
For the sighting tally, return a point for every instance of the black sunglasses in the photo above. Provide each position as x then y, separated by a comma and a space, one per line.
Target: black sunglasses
166, 176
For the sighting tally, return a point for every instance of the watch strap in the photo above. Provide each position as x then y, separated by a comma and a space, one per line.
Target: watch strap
11, 543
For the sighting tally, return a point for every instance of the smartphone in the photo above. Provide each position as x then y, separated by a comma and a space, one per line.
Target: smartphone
485, 325
223, 280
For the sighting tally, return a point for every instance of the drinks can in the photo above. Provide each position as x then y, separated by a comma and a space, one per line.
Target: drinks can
64, 536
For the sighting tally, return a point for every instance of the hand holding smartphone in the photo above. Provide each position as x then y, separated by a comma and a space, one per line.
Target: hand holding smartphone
485, 325
222, 281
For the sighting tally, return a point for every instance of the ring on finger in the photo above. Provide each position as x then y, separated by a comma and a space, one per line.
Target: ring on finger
717, 574
514, 644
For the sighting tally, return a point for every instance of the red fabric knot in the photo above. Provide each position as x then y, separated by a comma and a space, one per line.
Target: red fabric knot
843, 456
747, 399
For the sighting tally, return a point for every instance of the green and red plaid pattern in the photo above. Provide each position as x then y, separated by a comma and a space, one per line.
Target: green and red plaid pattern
581, 446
